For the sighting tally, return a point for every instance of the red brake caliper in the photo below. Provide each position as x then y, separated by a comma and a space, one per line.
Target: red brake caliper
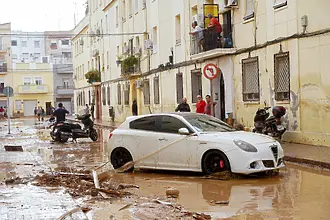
222, 164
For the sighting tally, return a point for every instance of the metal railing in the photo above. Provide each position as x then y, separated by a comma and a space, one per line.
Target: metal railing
65, 87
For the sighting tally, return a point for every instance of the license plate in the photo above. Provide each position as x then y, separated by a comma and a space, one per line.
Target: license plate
280, 127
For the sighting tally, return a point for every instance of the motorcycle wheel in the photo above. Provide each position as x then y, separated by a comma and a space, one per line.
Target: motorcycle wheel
93, 135
61, 139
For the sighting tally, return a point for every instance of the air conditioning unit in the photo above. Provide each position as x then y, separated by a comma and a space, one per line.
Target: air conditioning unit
95, 52
199, 18
148, 45
139, 84
81, 42
125, 50
231, 3
44, 59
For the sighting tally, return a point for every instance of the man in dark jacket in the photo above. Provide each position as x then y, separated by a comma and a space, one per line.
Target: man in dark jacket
183, 106
134, 108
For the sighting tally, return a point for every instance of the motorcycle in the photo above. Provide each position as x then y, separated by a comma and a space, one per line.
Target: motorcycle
272, 125
62, 131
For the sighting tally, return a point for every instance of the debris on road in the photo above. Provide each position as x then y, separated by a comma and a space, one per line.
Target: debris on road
125, 207
225, 175
127, 186
13, 148
173, 193
16, 181
222, 202
69, 213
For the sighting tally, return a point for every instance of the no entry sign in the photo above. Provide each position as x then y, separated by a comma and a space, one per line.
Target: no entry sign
211, 71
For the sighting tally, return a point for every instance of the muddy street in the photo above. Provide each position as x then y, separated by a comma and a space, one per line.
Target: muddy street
38, 183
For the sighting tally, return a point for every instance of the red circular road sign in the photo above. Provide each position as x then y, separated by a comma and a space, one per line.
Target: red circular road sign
211, 71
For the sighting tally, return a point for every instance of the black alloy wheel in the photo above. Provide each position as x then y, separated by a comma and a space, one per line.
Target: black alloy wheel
93, 135
119, 157
215, 161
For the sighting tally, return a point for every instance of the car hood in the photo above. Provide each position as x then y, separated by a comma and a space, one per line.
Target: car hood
249, 137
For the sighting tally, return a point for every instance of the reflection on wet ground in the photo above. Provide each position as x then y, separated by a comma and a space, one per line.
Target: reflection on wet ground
298, 193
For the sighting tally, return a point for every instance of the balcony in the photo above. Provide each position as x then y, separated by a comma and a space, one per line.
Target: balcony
130, 66
3, 68
32, 89
211, 45
65, 90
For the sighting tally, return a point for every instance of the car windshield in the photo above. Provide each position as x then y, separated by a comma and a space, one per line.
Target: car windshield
205, 123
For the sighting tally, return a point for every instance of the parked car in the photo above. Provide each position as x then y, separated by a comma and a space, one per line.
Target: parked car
210, 145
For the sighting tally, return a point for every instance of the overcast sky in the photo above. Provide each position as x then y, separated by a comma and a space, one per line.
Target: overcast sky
41, 15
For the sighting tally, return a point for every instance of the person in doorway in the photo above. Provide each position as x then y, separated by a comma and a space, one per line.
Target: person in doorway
198, 34
92, 111
2, 113
209, 103
60, 113
134, 108
5, 112
183, 106
43, 114
86, 110
200, 105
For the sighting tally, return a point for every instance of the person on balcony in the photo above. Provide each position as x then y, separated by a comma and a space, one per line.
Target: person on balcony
215, 23
198, 34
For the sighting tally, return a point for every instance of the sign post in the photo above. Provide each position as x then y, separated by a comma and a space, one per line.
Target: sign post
211, 72
9, 92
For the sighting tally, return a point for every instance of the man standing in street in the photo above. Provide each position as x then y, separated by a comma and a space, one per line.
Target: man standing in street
200, 105
86, 110
60, 113
134, 108
183, 106
209, 103
92, 111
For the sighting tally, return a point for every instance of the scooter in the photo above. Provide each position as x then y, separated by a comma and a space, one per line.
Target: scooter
272, 125
62, 131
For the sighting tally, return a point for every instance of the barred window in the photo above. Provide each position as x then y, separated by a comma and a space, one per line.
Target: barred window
196, 84
146, 92
104, 97
179, 87
250, 79
108, 94
282, 76
156, 90
126, 94
119, 94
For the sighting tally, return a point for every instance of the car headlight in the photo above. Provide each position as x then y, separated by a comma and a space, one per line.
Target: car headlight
245, 146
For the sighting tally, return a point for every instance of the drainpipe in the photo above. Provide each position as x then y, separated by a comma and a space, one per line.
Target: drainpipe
255, 21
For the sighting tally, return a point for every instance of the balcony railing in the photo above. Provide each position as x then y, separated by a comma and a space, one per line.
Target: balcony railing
65, 90
132, 70
209, 40
32, 89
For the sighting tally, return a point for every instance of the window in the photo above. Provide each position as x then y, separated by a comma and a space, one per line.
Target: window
119, 94
126, 94
130, 8
27, 80
282, 76
104, 97
66, 83
156, 90
36, 56
196, 84
24, 43
147, 123
250, 79
36, 44
279, 3
124, 11
14, 56
18, 105
249, 10
177, 29
117, 16
14, 43
154, 39
108, 95
53, 46
136, 6
44, 59
25, 55
179, 87
65, 42
38, 80
146, 92
89, 97
171, 125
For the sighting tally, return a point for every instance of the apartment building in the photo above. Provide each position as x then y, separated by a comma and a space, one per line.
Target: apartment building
271, 52
5, 61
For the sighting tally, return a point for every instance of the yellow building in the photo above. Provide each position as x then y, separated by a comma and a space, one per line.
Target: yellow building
33, 87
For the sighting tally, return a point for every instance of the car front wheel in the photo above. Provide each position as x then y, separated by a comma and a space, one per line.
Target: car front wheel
215, 161
119, 157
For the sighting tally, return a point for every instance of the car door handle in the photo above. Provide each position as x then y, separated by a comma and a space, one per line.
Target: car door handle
162, 139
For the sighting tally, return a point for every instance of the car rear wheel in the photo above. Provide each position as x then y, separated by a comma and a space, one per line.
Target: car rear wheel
119, 157
215, 161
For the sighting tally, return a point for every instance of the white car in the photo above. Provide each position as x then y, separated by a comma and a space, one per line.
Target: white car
208, 145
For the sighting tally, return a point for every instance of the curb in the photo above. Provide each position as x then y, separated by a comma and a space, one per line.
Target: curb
307, 162
96, 124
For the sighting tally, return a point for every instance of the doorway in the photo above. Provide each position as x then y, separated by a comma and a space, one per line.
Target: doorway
219, 97
227, 29
98, 104
48, 109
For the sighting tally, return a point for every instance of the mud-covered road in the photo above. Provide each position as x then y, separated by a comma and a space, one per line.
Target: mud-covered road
297, 193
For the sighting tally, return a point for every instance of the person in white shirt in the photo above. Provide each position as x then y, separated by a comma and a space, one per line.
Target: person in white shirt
86, 110
198, 34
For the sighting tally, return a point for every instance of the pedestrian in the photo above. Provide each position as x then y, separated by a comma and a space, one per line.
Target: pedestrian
5, 112
86, 110
134, 108
92, 111
2, 113
35, 112
200, 105
198, 34
60, 113
209, 103
43, 114
39, 112
183, 106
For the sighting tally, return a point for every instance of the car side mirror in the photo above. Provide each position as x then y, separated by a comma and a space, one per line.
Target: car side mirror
184, 131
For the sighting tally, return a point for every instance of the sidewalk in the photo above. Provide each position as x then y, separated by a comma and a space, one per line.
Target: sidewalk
98, 122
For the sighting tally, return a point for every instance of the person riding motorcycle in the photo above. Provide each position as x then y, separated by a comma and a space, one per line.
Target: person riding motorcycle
60, 113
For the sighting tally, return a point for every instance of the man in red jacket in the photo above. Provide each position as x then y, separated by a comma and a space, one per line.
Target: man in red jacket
215, 23
200, 105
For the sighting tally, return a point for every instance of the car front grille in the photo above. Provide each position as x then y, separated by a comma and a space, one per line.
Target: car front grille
268, 163
274, 150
